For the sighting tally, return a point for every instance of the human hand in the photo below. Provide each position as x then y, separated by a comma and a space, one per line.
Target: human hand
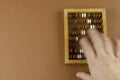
103, 60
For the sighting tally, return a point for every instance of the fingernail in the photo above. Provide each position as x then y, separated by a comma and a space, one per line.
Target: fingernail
91, 30
80, 74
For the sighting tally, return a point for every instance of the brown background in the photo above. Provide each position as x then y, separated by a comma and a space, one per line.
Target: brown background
31, 37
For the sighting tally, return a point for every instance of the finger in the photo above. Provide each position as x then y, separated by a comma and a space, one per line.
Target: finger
88, 50
83, 76
108, 46
117, 43
97, 42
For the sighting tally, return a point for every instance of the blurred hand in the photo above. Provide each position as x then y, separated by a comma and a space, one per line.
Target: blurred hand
103, 60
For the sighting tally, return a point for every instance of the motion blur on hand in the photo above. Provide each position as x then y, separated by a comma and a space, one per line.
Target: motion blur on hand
103, 60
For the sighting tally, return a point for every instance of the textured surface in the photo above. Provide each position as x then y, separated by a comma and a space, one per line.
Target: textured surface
31, 37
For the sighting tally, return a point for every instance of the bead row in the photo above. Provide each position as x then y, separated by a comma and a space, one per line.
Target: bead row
84, 15
85, 21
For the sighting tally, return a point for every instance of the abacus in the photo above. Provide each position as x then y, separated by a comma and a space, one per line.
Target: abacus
76, 22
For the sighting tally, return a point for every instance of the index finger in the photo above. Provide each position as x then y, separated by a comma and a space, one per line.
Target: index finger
88, 50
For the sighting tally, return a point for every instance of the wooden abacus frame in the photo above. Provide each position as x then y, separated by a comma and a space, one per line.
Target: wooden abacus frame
66, 43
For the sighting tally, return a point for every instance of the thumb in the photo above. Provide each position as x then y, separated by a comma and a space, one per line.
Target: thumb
83, 76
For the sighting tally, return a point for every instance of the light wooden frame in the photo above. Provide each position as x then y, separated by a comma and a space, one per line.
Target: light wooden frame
66, 44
